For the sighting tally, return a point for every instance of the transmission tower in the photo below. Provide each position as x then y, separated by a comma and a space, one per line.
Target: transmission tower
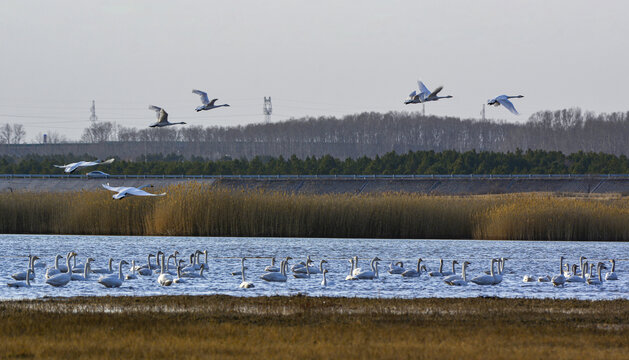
267, 109
93, 117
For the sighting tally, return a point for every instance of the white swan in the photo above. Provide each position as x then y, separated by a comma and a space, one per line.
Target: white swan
486, 279
396, 268
63, 278
351, 276
325, 281
162, 117
438, 273
597, 280
20, 284
146, 271
544, 278
458, 280
369, 274
577, 278
311, 269
194, 274
277, 276
179, 279
51, 271
303, 272
424, 95
22, 275
207, 104
73, 166
412, 272
86, 272
108, 270
272, 267
113, 280
612, 274
504, 101
124, 191
131, 276
300, 266
529, 278
164, 279
453, 272
559, 280
245, 284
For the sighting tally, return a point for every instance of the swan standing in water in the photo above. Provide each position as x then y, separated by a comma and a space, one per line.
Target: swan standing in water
486, 279
73, 166
131, 276
612, 274
63, 278
504, 101
559, 280
453, 272
86, 272
164, 279
438, 273
277, 276
245, 284
351, 276
272, 267
325, 282
162, 117
369, 274
113, 281
458, 280
51, 271
412, 272
577, 278
207, 104
396, 268
22, 275
146, 271
124, 191
20, 284
594, 280
306, 271
179, 279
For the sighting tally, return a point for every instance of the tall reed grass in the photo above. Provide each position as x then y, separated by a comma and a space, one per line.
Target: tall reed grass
202, 210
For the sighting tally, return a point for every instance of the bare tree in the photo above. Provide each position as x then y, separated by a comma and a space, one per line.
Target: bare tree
98, 132
6, 134
18, 134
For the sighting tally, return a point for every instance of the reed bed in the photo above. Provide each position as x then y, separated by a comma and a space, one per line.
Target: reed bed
313, 328
195, 209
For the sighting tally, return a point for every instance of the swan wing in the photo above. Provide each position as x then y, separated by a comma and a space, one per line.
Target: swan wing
507, 104
203, 96
434, 93
71, 167
139, 192
155, 108
212, 102
423, 89
113, 188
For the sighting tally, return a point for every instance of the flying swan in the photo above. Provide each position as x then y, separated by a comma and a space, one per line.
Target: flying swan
124, 191
162, 117
424, 95
504, 101
207, 104
69, 168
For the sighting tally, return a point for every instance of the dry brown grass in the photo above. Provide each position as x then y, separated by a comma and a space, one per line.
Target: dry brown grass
289, 327
202, 210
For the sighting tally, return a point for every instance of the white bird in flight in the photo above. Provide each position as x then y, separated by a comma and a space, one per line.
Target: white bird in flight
424, 95
124, 191
162, 117
207, 104
73, 166
504, 101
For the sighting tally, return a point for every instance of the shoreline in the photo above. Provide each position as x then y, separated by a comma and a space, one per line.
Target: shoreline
223, 326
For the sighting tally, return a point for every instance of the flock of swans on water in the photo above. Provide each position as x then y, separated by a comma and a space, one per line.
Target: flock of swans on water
60, 275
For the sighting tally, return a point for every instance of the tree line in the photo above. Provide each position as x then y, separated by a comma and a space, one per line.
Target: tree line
418, 162
353, 136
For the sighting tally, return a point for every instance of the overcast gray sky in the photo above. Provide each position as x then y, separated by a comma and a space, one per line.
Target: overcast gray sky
313, 57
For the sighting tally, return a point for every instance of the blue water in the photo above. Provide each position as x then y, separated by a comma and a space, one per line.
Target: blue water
525, 257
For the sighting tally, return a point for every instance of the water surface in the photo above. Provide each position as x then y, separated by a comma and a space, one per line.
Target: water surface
525, 257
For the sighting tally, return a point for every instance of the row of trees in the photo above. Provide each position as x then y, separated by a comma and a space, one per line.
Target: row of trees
353, 136
419, 162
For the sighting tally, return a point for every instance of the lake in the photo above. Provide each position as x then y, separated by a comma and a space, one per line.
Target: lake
525, 257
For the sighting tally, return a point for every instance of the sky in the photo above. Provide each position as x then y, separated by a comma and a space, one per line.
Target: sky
313, 58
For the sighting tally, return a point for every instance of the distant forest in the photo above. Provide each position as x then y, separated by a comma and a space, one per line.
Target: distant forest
354, 136
419, 162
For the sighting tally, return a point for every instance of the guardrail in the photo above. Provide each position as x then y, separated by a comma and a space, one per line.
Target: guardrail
302, 177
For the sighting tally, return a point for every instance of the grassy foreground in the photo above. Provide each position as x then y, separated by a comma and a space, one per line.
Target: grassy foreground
304, 327
204, 210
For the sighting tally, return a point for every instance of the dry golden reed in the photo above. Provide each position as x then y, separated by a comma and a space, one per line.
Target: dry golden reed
195, 209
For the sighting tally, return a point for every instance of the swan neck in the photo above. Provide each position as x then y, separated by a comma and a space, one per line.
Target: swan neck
492, 267
243, 270
561, 265
120, 270
440, 265
418, 269
463, 272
